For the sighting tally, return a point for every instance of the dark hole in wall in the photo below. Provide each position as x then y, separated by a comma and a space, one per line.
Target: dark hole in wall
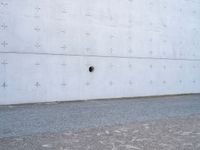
91, 69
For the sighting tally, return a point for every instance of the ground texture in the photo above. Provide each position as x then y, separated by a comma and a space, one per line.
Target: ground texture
168, 134
165, 123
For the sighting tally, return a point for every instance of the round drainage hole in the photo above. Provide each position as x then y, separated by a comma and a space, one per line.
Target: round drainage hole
91, 69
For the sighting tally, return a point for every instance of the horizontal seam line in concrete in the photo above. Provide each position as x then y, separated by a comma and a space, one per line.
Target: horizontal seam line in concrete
100, 100
100, 56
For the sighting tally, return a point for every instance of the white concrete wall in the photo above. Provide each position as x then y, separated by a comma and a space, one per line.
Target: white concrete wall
138, 48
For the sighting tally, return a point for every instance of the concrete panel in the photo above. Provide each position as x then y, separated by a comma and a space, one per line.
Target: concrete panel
137, 48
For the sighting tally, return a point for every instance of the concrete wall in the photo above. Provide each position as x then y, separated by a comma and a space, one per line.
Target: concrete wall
137, 48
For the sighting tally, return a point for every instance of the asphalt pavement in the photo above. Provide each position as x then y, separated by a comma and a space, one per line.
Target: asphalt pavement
34, 119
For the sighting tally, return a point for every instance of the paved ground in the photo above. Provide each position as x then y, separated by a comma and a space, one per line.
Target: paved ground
149, 124
168, 134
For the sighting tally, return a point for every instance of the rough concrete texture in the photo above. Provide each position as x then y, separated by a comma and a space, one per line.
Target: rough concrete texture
168, 134
137, 48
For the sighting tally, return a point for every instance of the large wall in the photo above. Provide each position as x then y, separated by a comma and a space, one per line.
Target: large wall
137, 48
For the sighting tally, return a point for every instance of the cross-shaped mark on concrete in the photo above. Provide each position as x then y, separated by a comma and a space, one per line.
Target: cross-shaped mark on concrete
4, 62
88, 49
37, 8
4, 85
4, 26
111, 36
37, 29
37, 63
87, 34
64, 47
63, 84
130, 50
63, 64
4, 43
4, 4
64, 11
37, 84
63, 31
88, 14
37, 45
87, 83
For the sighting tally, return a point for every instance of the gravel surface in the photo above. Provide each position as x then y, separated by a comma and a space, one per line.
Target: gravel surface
167, 134
32, 119
161, 123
